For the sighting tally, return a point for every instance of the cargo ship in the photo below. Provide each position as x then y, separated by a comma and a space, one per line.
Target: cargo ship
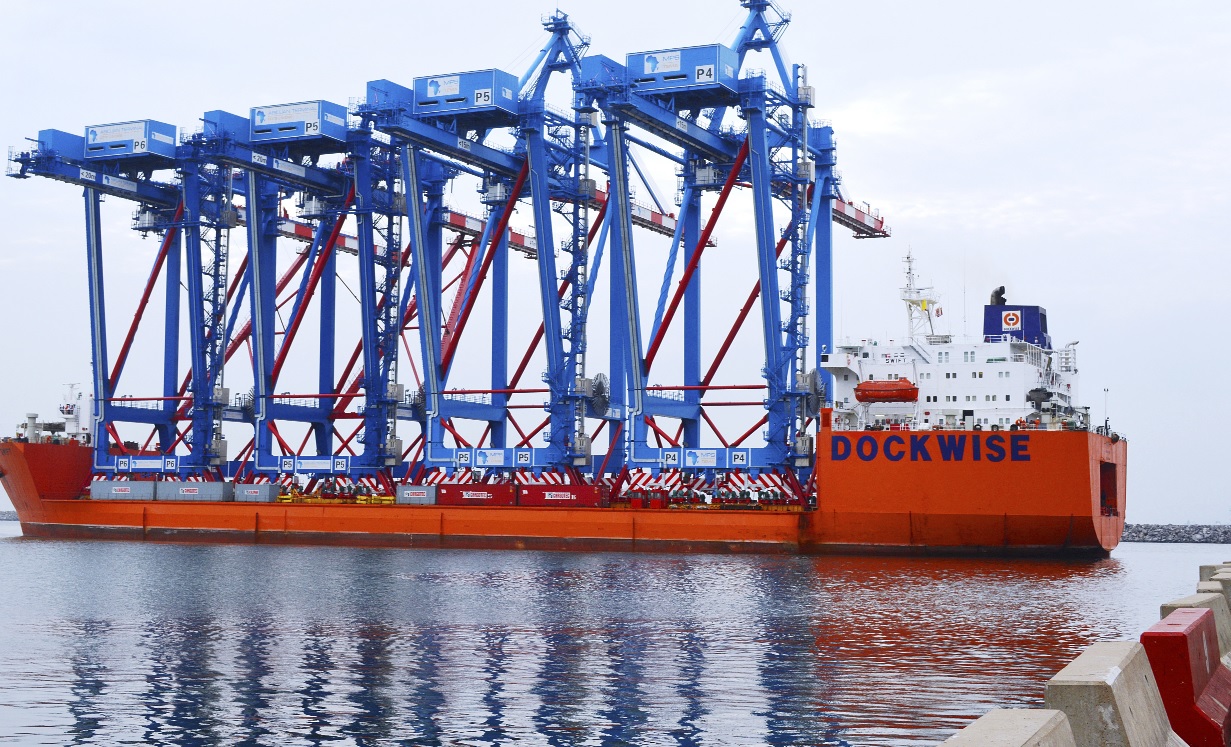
933, 444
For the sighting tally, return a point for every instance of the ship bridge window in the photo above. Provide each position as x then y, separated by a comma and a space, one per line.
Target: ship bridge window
942, 357
846, 377
968, 356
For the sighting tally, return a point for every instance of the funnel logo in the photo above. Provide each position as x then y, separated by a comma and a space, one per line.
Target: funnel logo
1011, 321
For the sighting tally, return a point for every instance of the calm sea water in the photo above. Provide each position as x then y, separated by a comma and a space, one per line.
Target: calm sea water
125, 643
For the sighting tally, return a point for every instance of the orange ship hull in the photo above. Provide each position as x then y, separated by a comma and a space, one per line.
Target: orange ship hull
1066, 499
977, 490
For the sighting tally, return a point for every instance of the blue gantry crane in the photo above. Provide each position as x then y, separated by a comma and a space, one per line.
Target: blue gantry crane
371, 182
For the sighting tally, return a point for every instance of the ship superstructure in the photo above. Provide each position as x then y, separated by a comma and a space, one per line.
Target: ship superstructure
1009, 377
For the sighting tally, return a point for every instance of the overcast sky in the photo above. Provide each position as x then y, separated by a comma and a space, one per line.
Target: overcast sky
1076, 153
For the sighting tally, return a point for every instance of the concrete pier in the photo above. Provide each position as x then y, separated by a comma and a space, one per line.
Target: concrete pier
1111, 698
1222, 617
1011, 727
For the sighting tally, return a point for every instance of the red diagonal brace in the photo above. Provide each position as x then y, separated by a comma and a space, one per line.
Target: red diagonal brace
652, 351
412, 310
167, 241
446, 359
460, 297
739, 322
526, 439
242, 335
318, 269
649, 420
538, 336
714, 426
764, 419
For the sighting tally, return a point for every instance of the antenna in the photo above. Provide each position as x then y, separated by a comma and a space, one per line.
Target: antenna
964, 332
921, 302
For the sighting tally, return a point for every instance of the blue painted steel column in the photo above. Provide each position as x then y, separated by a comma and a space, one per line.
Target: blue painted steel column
690, 214
776, 363
374, 388
171, 343
561, 427
433, 180
428, 305
98, 332
821, 139
327, 292
201, 386
627, 353
262, 209
500, 330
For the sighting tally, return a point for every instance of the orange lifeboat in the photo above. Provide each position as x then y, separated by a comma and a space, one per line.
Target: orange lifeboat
900, 390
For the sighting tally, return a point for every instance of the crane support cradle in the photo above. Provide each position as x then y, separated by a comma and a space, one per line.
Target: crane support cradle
710, 69
306, 120
66, 145
220, 124
385, 95
141, 138
484, 97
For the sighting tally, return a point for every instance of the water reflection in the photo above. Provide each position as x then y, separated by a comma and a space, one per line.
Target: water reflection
89, 681
690, 659
624, 706
182, 689
563, 689
423, 724
254, 689
441, 648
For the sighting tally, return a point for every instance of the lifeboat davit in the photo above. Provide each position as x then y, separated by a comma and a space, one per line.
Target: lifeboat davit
900, 390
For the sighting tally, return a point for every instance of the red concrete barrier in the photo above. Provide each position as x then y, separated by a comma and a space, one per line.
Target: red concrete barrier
1194, 684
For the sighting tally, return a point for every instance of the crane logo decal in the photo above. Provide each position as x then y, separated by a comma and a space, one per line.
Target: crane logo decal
444, 86
662, 62
1011, 321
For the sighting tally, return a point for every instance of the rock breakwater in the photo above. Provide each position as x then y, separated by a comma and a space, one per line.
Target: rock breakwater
1197, 533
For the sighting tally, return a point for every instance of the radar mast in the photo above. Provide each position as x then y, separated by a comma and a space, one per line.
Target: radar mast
922, 304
